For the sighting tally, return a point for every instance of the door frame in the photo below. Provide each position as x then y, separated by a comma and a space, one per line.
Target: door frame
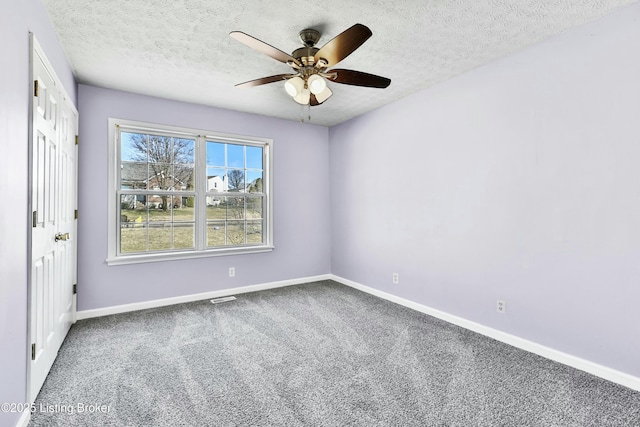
35, 49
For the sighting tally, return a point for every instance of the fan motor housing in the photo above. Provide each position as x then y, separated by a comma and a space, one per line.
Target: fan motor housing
305, 55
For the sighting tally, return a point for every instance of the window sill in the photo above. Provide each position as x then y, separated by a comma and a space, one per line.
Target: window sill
142, 258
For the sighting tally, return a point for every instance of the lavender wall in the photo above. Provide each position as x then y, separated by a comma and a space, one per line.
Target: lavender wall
300, 197
519, 181
516, 181
17, 18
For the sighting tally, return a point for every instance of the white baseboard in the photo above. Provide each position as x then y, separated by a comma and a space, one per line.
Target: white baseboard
575, 362
24, 419
98, 312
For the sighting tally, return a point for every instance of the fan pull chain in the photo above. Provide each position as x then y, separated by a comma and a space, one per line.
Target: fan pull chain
302, 113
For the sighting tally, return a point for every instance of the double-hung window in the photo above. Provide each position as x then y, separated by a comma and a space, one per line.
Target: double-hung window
184, 193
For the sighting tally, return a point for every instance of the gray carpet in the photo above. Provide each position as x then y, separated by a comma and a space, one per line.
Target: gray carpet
319, 354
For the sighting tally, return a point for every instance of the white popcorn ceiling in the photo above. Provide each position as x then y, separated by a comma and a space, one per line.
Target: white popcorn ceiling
181, 49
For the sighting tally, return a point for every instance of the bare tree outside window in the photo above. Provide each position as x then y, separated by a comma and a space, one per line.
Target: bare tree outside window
169, 160
236, 180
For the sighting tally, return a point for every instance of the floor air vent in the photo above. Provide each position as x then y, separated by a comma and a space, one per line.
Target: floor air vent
223, 299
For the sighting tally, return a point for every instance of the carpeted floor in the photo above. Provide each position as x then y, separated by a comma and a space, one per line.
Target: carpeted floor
319, 354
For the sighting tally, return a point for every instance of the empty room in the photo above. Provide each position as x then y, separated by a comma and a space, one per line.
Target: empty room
372, 213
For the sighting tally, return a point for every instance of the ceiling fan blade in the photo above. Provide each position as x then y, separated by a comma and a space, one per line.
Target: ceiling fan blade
262, 47
265, 80
343, 44
313, 100
358, 78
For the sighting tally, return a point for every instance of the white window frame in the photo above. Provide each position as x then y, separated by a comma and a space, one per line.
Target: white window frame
201, 137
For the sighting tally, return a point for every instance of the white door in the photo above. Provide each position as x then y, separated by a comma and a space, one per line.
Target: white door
53, 231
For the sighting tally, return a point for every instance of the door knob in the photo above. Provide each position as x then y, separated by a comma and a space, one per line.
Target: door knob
61, 236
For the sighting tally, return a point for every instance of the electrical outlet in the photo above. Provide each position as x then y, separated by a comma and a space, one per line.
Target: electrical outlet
501, 306
396, 278
232, 271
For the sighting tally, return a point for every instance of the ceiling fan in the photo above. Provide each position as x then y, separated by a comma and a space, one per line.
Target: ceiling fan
308, 84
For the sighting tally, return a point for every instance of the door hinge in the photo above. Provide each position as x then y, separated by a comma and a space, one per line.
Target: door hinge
35, 88
77, 139
75, 214
34, 220
33, 351
75, 289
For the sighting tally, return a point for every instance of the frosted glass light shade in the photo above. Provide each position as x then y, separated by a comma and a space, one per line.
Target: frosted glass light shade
324, 95
294, 86
316, 84
303, 97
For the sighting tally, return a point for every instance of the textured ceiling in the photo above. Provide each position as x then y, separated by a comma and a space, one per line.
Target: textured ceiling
181, 49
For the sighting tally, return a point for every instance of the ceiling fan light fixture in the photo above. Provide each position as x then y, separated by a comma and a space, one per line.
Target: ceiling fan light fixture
308, 85
294, 86
303, 97
316, 84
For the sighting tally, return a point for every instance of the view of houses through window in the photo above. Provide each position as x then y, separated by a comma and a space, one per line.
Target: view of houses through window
181, 192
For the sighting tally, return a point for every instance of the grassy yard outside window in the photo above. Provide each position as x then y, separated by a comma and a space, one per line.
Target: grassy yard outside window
184, 193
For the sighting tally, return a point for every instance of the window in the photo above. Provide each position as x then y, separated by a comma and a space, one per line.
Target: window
184, 193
